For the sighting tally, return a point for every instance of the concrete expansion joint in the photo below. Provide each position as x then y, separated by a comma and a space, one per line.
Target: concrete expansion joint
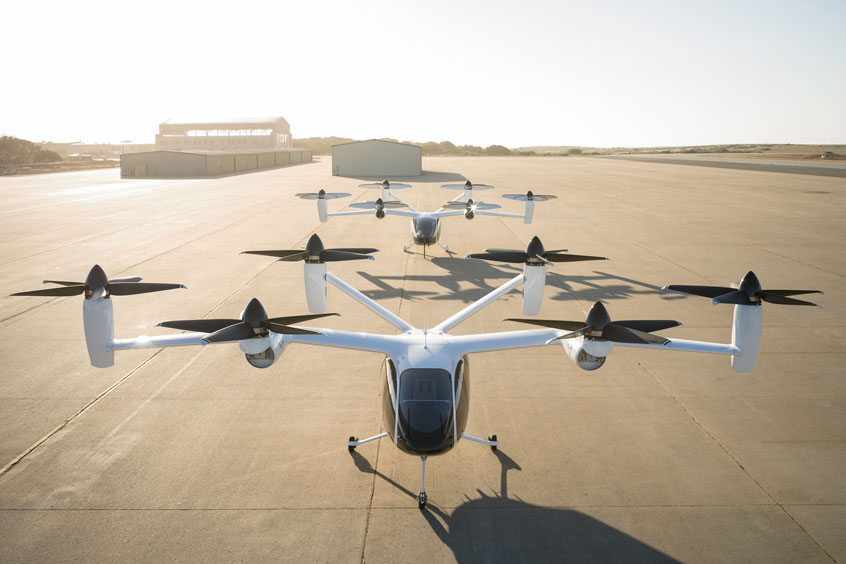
370, 501
760, 486
5, 469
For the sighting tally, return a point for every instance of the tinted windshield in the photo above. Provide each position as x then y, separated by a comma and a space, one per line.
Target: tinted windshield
425, 399
424, 227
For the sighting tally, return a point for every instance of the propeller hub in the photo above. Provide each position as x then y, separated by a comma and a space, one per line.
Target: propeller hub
314, 248
751, 286
96, 279
535, 250
530, 195
468, 185
598, 318
254, 314
322, 194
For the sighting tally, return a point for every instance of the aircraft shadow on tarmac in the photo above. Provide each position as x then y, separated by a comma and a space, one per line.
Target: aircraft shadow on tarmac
500, 529
478, 275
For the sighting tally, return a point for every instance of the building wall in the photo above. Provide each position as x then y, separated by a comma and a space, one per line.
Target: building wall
163, 164
220, 164
194, 165
376, 158
245, 161
266, 160
273, 133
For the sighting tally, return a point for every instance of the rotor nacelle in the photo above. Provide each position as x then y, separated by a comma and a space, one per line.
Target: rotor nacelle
468, 209
262, 353
529, 199
534, 282
587, 354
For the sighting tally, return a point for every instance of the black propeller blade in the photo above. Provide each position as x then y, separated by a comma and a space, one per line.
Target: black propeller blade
467, 186
530, 196
534, 254
470, 206
316, 253
255, 323
378, 206
98, 285
749, 293
386, 184
598, 325
322, 195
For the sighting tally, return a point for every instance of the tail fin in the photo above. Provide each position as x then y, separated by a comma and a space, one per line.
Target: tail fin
99, 322
746, 335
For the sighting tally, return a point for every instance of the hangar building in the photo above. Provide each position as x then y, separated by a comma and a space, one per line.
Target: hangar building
229, 135
190, 149
377, 158
193, 164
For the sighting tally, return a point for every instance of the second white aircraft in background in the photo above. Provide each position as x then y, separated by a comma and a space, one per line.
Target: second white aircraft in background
425, 226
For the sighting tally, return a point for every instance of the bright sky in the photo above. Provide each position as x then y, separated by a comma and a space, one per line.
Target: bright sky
534, 72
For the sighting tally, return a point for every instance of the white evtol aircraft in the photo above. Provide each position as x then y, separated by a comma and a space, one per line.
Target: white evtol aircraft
425, 226
425, 372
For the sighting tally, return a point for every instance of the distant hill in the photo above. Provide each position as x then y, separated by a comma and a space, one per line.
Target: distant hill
323, 146
728, 148
319, 145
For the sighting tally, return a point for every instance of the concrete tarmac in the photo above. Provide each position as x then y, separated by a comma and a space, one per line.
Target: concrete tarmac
191, 455
835, 169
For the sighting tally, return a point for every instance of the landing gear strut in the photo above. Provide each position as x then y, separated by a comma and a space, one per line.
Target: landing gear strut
421, 497
491, 442
354, 442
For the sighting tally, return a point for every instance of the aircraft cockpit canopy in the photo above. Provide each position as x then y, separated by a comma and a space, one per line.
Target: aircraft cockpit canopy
425, 406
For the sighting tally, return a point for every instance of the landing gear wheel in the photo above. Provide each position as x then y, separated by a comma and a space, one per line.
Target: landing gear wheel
492, 438
352, 447
421, 500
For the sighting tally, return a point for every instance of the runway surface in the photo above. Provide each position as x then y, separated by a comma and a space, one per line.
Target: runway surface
836, 169
191, 455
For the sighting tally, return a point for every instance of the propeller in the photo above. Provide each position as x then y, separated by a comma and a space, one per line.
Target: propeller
379, 205
98, 285
253, 323
322, 195
387, 185
529, 196
748, 292
467, 186
470, 207
598, 325
315, 252
534, 254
